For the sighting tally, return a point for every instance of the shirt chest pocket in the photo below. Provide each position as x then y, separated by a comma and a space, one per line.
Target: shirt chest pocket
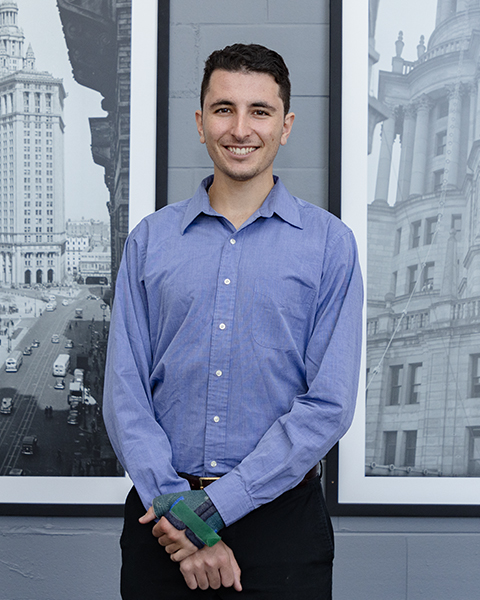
280, 313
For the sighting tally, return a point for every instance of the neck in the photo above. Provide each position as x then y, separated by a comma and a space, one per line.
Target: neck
238, 200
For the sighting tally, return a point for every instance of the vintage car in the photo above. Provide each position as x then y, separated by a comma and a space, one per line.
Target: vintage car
29, 444
6, 406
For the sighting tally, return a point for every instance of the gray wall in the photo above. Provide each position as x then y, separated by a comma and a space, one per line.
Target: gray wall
377, 558
299, 32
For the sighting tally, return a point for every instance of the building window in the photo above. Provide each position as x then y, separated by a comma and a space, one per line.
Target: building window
410, 448
415, 234
427, 277
395, 384
414, 383
430, 227
440, 143
475, 379
456, 223
390, 438
412, 278
438, 177
398, 239
474, 451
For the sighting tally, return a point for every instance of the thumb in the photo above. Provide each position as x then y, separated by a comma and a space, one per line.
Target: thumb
148, 516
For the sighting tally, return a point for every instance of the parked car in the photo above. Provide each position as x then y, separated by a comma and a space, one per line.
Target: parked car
16, 472
6, 406
55, 338
35, 344
27, 351
73, 417
60, 385
29, 444
69, 344
65, 302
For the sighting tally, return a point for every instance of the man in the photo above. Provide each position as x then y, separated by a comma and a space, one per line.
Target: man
233, 362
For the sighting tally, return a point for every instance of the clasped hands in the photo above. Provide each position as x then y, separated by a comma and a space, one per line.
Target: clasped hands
201, 565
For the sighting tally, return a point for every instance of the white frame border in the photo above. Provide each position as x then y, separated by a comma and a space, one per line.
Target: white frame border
112, 490
354, 487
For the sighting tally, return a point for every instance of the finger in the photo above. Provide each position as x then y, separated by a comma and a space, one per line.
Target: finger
214, 579
236, 577
182, 554
165, 540
202, 579
236, 573
164, 527
173, 547
148, 516
193, 572
190, 579
231, 573
213, 573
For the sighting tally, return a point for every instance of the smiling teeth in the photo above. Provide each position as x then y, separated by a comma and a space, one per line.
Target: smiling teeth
241, 151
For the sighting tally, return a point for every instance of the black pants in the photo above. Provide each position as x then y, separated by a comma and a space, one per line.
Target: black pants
284, 550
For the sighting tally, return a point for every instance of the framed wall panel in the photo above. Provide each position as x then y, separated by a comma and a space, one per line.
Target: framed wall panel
408, 167
78, 97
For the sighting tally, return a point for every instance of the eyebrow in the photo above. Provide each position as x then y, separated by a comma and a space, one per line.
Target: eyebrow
258, 104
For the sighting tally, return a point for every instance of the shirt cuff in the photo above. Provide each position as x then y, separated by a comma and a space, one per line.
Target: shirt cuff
230, 497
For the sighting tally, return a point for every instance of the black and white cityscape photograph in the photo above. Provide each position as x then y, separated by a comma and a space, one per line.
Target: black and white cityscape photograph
423, 243
64, 188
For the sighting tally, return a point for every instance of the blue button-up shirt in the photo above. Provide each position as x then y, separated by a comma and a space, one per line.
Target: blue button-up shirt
233, 352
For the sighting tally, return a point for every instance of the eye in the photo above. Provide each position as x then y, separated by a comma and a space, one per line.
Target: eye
261, 113
223, 110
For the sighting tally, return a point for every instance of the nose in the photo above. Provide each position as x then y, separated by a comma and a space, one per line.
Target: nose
240, 127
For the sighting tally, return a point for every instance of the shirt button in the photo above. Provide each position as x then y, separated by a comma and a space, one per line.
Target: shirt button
218, 373
222, 326
226, 281
216, 419
233, 241
213, 463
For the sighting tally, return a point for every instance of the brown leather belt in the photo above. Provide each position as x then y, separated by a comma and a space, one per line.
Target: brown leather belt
199, 483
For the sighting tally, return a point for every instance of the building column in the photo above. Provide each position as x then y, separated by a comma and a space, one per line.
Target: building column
7, 263
477, 107
385, 159
419, 162
472, 97
405, 168
453, 136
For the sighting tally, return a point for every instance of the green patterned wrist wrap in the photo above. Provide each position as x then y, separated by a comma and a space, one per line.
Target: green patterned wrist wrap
203, 518
203, 531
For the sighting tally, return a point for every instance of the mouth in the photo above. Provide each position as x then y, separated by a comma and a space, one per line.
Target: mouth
241, 151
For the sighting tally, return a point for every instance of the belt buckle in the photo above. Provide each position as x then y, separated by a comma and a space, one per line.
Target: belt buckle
204, 481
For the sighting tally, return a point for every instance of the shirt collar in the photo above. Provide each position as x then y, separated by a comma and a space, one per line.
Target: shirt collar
278, 201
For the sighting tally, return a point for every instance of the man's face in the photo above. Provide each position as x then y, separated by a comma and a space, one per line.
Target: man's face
243, 123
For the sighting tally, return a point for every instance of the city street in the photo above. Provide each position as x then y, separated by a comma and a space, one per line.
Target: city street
62, 448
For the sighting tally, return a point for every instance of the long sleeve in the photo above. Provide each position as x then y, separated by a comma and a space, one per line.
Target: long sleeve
139, 441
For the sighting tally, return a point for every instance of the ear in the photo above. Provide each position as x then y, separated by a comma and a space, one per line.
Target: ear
287, 128
198, 119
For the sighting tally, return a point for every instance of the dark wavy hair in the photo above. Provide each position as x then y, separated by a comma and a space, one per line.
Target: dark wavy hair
249, 58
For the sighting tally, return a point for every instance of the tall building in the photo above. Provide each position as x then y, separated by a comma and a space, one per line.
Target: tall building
32, 223
98, 36
423, 281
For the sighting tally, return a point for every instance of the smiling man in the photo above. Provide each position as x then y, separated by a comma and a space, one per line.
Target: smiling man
233, 362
